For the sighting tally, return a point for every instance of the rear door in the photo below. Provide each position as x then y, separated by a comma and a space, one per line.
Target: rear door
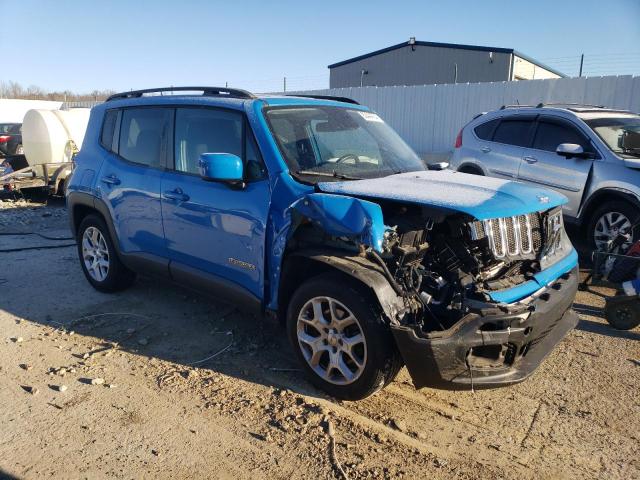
501, 156
129, 180
215, 232
541, 164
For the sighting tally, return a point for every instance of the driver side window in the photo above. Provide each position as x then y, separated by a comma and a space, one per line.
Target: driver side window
551, 134
207, 130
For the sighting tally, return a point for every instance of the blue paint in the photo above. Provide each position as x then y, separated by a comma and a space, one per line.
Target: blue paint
343, 216
542, 279
220, 166
211, 223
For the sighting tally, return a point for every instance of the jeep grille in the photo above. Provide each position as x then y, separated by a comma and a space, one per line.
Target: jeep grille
510, 237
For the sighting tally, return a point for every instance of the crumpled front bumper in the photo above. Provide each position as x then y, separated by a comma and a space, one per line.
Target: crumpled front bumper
492, 348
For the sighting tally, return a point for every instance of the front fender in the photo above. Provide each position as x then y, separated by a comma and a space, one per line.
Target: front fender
364, 271
343, 216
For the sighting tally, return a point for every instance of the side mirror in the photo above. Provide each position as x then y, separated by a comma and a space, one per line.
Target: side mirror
570, 150
221, 167
438, 166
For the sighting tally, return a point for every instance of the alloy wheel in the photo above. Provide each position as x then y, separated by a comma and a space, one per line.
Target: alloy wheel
331, 340
608, 227
95, 254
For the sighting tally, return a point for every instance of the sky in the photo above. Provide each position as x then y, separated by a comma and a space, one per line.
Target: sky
86, 45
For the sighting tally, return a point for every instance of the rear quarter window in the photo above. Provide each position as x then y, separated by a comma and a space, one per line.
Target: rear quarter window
108, 129
484, 131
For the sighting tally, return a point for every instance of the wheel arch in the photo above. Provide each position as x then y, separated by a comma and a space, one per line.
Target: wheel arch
299, 266
80, 204
470, 167
603, 196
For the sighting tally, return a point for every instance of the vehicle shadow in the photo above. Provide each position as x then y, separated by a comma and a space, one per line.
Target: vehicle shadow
601, 328
154, 319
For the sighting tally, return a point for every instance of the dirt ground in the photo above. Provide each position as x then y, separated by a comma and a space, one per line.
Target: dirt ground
161, 382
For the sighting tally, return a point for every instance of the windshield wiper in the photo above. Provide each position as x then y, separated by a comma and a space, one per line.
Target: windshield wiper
333, 174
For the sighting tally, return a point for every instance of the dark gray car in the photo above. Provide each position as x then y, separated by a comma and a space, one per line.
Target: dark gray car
590, 154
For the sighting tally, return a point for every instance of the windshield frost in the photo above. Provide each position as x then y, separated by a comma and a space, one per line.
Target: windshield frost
339, 142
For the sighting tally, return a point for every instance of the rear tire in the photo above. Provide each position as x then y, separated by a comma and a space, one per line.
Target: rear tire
98, 258
338, 333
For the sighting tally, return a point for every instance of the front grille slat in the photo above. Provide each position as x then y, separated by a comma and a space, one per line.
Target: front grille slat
511, 237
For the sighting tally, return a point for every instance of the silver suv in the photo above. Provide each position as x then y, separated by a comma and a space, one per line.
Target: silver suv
591, 154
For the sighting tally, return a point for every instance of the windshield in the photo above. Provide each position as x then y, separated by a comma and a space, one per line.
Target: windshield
9, 128
340, 143
622, 135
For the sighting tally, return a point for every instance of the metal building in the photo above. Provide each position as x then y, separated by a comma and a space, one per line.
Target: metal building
424, 63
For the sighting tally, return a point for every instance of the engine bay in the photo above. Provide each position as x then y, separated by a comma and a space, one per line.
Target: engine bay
441, 262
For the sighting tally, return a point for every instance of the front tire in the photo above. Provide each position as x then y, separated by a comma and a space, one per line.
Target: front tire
98, 258
609, 220
337, 331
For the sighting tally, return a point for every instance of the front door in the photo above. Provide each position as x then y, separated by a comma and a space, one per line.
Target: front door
541, 164
214, 230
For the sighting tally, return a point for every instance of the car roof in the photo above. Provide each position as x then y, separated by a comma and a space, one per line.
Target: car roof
584, 112
219, 96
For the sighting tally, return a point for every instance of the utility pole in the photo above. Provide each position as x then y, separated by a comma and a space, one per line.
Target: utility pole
581, 63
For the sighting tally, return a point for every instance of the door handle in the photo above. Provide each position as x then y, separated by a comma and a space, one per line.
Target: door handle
485, 149
110, 180
529, 159
176, 194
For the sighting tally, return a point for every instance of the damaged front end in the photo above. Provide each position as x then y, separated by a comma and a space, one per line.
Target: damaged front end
469, 302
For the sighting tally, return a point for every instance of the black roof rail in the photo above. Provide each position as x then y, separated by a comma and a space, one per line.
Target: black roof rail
568, 104
206, 92
503, 107
327, 97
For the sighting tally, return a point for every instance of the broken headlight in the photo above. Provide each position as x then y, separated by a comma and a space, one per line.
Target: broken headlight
556, 242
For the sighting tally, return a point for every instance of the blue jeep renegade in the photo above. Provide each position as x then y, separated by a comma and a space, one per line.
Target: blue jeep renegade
314, 210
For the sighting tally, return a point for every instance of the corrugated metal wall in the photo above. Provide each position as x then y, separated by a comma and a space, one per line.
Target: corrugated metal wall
426, 65
429, 117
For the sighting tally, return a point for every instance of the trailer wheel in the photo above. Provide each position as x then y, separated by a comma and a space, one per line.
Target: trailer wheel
623, 314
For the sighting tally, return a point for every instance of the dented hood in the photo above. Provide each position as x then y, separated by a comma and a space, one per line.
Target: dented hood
478, 196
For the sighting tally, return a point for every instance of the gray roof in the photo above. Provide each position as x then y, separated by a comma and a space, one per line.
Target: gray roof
449, 45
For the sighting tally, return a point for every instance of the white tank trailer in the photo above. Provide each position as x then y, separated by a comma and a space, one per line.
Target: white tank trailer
50, 139
52, 136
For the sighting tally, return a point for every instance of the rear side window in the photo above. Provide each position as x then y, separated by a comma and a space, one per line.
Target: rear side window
550, 134
108, 129
513, 132
142, 135
484, 131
